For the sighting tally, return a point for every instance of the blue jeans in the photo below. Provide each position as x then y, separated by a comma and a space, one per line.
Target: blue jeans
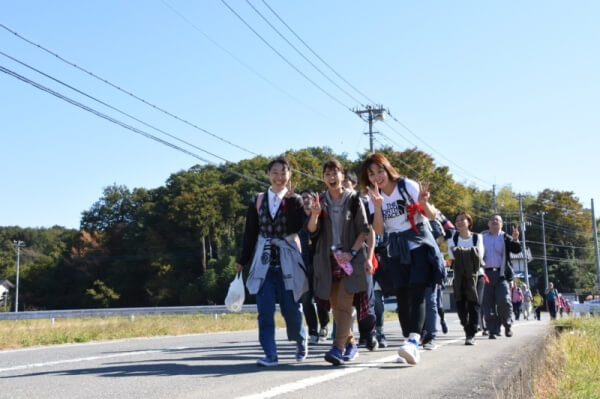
431, 313
272, 291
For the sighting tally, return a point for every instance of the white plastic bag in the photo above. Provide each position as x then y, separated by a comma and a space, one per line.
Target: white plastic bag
236, 294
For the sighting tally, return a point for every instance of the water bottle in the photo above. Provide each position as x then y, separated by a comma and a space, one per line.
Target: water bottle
346, 267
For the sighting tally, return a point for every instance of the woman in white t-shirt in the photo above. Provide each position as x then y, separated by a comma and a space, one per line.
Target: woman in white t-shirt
465, 249
413, 261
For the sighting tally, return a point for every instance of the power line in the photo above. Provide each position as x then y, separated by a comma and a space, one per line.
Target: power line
452, 195
120, 123
315, 54
125, 91
111, 107
283, 57
300, 53
238, 60
64, 60
431, 147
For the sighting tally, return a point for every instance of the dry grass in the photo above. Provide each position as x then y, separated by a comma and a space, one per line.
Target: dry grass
572, 363
23, 333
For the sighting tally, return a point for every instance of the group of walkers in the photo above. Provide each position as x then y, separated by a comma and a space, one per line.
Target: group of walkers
344, 252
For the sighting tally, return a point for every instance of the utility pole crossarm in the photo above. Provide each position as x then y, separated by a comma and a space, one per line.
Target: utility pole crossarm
370, 114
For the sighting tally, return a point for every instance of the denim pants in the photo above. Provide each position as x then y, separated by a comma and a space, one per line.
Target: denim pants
431, 314
272, 291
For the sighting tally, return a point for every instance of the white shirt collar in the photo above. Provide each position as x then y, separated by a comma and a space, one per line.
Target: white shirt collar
279, 195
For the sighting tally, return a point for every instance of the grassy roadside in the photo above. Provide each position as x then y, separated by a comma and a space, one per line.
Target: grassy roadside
571, 366
24, 333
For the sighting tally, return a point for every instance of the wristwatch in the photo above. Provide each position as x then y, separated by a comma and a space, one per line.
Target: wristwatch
353, 252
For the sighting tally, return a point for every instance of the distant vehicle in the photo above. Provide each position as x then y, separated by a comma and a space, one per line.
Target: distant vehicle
390, 304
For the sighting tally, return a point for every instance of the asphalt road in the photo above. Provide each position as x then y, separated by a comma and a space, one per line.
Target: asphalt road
223, 366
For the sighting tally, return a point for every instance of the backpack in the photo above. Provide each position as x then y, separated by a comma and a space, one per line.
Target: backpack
474, 237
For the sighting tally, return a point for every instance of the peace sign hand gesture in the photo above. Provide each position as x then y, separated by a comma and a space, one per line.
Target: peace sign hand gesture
291, 190
424, 193
515, 233
375, 196
315, 208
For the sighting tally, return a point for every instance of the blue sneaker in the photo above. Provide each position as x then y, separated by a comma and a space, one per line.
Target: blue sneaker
301, 350
267, 362
334, 356
351, 352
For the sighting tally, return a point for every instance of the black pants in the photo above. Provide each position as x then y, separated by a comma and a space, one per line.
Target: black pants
468, 313
308, 308
411, 308
517, 309
538, 309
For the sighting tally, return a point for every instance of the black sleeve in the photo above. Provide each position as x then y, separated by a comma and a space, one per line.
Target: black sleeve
250, 234
512, 246
295, 214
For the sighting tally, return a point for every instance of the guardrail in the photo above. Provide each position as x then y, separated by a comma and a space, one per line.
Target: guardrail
75, 313
585, 307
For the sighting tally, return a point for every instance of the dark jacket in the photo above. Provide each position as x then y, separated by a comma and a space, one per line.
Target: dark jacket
294, 212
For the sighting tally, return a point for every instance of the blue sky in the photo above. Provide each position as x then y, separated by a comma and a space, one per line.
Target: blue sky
506, 90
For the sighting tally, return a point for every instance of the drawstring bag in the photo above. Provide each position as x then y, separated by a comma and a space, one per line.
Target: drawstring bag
236, 294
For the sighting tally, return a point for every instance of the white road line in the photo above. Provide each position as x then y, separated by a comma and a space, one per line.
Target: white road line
301, 384
85, 359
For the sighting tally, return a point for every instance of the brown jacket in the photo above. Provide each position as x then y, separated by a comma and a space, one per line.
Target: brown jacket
354, 224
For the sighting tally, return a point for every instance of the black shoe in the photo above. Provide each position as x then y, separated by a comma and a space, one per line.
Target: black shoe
508, 332
372, 343
492, 336
362, 342
382, 341
444, 326
485, 332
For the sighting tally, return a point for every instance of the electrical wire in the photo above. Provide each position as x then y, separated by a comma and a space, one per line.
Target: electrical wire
120, 123
237, 59
131, 94
302, 54
332, 97
315, 53
125, 91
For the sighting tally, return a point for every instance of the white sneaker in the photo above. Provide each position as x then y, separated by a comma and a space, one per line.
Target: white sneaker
400, 360
409, 352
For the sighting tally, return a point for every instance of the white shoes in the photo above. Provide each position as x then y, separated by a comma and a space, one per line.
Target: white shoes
409, 352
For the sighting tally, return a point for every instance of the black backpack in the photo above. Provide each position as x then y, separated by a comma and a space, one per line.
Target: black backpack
474, 238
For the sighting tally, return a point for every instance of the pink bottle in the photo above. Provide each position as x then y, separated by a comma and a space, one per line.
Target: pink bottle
346, 267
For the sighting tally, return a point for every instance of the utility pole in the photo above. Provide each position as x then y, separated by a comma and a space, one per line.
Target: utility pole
542, 214
18, 244
524, 246
370, 114
596, 247
494, 203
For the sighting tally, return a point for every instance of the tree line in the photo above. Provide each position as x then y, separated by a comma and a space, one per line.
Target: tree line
176, 244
